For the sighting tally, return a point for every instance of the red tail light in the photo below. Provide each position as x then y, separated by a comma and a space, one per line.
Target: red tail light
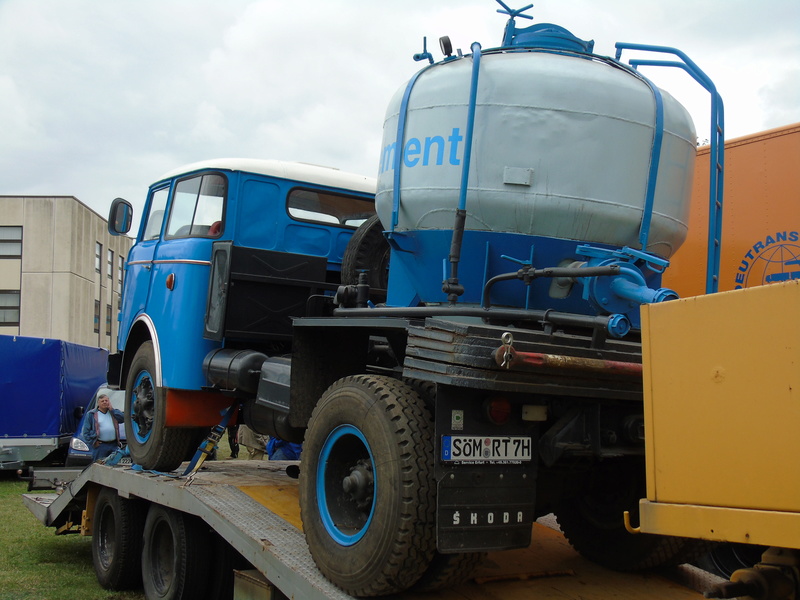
498, 410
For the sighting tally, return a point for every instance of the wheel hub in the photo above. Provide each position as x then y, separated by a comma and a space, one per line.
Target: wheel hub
143, 404
358, 485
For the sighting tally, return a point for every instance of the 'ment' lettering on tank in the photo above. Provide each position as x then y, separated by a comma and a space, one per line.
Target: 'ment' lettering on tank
430, 151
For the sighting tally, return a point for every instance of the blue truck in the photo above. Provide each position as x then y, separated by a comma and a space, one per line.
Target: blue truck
455, 344
44, 386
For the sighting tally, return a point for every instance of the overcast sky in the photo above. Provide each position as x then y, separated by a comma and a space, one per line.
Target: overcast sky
99, 98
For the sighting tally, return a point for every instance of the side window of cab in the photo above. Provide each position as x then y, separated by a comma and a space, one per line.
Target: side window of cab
155, 218
198, 207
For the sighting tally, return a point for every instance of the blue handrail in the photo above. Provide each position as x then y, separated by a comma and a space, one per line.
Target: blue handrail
717, 140
473, 101
398, 148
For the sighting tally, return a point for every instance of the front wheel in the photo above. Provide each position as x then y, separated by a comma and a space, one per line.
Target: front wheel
151, 444
366, 485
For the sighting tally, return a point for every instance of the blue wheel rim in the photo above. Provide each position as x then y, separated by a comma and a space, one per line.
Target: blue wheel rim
334, 451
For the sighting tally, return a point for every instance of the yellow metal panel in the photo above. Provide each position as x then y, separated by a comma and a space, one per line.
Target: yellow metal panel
722, 396
766, 528
283, 500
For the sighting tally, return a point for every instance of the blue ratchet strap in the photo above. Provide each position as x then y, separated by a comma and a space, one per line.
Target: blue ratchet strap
207, 446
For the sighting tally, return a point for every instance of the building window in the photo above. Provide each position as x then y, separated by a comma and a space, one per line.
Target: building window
108, 319
97, 316
9, 307
98, 255
10, 242
110, 265
120, 269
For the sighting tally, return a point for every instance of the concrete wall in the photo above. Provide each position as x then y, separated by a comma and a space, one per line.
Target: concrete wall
56, 276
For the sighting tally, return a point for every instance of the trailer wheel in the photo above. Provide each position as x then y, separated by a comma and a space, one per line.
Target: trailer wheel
592, 522
152, 445
367, 250
117, 540
225, 560
366, 485
447, 570
175, 555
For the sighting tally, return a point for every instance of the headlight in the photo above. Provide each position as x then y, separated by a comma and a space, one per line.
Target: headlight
79, 445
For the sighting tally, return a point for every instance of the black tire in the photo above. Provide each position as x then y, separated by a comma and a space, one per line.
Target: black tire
724, 559
367, 251
373, 434
592, 521
175, 555
117, 525
447, 570
223, 563
151, 444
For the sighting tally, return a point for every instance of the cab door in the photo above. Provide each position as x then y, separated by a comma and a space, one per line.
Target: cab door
140, 262
179, 277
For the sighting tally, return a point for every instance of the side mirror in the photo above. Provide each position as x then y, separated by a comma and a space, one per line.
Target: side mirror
78, 412
120, 217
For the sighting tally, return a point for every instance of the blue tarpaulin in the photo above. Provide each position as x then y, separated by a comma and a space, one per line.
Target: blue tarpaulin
41, 383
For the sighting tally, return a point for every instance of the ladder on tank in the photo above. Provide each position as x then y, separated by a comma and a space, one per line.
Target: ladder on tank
717, 140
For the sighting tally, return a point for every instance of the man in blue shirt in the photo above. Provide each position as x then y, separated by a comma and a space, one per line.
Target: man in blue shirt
100, 429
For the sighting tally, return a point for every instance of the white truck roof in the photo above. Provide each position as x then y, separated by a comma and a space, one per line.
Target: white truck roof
294, 171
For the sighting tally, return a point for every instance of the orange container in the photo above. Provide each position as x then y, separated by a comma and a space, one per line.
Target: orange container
761, 215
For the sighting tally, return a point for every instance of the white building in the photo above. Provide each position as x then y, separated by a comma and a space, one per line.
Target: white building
60, 271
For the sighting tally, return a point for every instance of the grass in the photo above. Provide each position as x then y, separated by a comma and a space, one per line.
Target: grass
36, 564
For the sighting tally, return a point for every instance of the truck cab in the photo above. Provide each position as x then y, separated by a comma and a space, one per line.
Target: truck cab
258, 219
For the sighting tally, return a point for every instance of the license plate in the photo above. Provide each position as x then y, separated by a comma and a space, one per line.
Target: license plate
473, 448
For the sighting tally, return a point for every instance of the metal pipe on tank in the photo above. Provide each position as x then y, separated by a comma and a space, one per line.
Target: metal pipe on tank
451, 287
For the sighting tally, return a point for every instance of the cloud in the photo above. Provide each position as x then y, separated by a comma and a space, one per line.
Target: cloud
99, 107
780, 99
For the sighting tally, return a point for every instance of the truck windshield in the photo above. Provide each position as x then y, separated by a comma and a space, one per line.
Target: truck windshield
197, 207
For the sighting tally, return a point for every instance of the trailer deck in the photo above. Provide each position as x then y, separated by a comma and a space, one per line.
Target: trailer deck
254, 506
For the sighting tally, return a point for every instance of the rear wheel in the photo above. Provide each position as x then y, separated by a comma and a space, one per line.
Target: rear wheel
366, 486
175, 555
151, 444
117, 525
725, 559
447, 570
592, 521
225, 560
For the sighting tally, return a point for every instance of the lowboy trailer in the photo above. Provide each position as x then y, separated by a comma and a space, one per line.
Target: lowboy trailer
234, 530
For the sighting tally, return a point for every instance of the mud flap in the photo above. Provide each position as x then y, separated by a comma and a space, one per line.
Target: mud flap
484, 502
482, 508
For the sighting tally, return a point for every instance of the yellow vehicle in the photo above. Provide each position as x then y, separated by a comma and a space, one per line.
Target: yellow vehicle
722, 410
